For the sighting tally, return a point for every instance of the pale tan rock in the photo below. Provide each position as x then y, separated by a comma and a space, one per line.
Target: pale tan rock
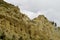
17, 26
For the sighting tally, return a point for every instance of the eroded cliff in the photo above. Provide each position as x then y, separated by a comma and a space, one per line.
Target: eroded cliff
17, 26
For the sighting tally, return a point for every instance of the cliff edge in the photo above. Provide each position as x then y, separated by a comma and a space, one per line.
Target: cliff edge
17, 26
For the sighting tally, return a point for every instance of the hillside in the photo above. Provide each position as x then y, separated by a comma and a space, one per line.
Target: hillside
17, 26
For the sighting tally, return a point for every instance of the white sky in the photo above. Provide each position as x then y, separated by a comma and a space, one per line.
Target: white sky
32, 8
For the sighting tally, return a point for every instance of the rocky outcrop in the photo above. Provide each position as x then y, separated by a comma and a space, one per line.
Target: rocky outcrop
17, 26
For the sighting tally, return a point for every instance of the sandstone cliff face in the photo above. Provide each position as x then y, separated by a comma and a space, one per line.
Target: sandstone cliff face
17, 26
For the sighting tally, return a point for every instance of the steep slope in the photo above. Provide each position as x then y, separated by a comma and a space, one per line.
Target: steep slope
47, 28
17, 26
11, 21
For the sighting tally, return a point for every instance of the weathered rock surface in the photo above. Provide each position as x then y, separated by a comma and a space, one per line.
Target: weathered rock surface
17, 26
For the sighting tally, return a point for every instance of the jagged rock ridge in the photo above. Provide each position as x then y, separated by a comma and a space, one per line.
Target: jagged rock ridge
17, 26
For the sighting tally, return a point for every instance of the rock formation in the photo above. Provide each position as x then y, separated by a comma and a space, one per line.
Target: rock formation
17, 26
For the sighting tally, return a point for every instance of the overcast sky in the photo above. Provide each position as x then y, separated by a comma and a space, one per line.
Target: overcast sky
50, 8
